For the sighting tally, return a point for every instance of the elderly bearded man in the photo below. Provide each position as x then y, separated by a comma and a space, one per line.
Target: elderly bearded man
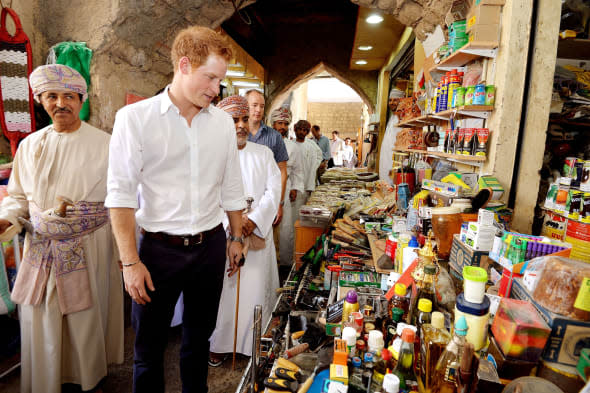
259, 275
280, 119
69, 285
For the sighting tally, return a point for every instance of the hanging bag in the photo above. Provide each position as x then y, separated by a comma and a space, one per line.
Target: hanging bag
17, 117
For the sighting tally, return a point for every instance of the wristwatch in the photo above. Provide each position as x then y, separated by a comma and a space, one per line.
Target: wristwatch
282, 203
239, 239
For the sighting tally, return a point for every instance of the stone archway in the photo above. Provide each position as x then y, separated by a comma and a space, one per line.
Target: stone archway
282, 95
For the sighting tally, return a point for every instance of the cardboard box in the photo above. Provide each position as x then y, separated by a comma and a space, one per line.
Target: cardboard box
568, 336
463, 255
483, 15
485, 33
494, 184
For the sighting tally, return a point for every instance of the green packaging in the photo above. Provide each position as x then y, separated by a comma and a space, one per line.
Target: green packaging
490, 95
458, 97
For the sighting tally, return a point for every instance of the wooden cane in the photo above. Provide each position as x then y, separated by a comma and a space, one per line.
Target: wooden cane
233, 364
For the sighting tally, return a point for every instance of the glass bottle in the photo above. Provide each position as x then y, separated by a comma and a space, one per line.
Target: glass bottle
391, 328
355, 380
434, 340
399, 300
426, 290
368, 369
405, 362
381, 366
446, 372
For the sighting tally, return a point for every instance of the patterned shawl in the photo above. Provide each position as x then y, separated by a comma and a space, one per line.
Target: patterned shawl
57, 243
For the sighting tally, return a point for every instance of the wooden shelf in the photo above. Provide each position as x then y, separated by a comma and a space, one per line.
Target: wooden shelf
474, 111
569, 122
457, 157
471, 51
577, 49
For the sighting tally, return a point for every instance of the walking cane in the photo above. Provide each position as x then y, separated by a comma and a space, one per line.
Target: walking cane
249, 200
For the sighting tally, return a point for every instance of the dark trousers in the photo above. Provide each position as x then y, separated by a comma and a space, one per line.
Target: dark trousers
198, 272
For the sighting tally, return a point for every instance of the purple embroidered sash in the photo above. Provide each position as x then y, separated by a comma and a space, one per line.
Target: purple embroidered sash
57, 243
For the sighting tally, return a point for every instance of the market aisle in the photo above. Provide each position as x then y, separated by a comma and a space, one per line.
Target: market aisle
221, 379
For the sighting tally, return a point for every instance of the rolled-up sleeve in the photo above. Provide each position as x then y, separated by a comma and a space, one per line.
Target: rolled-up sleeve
125, 162
232, 186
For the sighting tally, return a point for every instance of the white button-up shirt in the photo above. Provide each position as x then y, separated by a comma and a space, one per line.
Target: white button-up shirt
180, 178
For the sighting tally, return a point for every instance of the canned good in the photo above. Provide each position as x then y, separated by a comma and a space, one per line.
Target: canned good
469, 93
458, 97
490, 95
568, 166
575, 204
479, 97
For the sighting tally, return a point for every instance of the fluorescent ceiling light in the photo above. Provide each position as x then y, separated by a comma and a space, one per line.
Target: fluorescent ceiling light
365, 47
374, 19
360, 62
246, 84
234, 73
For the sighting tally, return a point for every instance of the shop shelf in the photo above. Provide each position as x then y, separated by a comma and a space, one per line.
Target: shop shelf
455, 157
415, 122
477, 111
471, 51
578, 49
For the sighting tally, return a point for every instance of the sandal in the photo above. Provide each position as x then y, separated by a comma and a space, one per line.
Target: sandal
216, 360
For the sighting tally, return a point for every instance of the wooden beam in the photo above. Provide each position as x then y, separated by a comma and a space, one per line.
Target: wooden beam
537, 116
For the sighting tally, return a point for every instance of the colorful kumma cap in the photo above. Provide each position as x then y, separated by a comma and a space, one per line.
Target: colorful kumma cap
236, 106
57, 77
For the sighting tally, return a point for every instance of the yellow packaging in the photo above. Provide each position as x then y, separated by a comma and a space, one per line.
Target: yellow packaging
339, 373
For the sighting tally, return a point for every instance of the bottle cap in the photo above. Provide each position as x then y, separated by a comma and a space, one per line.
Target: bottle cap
438, 320
385, 354
397, 314
430, 269
477, 309
356, 361
349, 335
413, 242
474, 273
400, 289
425, 305
351, 296
461, 326
391, 383
368, 357
408, 334
375, 340
360, 345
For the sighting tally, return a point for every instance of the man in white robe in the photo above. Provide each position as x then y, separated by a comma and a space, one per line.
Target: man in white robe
259, 275
280, 119
312, 158
69, 287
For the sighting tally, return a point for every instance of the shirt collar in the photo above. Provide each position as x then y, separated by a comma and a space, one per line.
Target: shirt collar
166, 103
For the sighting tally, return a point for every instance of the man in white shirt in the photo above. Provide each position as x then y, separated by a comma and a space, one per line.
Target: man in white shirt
348, 157
259, 275
280, 119
178, 154
312, 158
336, 147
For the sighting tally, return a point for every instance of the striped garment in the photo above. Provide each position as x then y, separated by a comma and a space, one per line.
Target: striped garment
271, 138
14, 85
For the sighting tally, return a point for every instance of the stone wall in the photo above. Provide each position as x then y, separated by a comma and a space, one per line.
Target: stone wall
346, 117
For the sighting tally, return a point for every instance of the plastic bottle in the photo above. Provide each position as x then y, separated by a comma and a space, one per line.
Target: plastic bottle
351, 305
453, 84
447, 368
349, 335
368, 369
410, 253
434, 341
375, 342
399, 299
402, 243
381, 365
427, 288
391, 328
405, 363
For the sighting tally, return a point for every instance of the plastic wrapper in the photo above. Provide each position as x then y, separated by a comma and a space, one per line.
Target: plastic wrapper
473, 75
555, 283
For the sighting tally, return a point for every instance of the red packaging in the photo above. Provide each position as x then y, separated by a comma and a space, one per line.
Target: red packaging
481, 144
468, 140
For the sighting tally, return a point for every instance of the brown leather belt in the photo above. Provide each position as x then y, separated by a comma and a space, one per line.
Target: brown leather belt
182, 240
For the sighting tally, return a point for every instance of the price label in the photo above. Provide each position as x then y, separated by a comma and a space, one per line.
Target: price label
583, 299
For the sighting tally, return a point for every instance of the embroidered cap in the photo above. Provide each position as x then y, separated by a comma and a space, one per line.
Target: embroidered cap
57, 77
236, 106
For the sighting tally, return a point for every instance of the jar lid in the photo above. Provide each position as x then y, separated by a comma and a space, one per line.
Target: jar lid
368, 357
474, 273
400, 289
425, 305
472, 308
356, 361
445, 210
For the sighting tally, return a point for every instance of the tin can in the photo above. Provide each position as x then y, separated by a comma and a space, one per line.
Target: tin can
479, 97
469, 93
458, 97
490, 95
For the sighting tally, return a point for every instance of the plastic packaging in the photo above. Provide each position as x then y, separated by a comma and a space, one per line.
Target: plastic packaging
474, 283
477, 316
557, 282
349, 335
519, 330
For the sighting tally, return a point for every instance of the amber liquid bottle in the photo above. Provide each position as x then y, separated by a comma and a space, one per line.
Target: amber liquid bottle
446, 372
434, 341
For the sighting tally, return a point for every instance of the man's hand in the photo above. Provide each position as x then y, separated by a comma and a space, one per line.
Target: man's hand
323, 165
136, 278
4, 224
248, 226
234, 254
292, 195
279, 216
